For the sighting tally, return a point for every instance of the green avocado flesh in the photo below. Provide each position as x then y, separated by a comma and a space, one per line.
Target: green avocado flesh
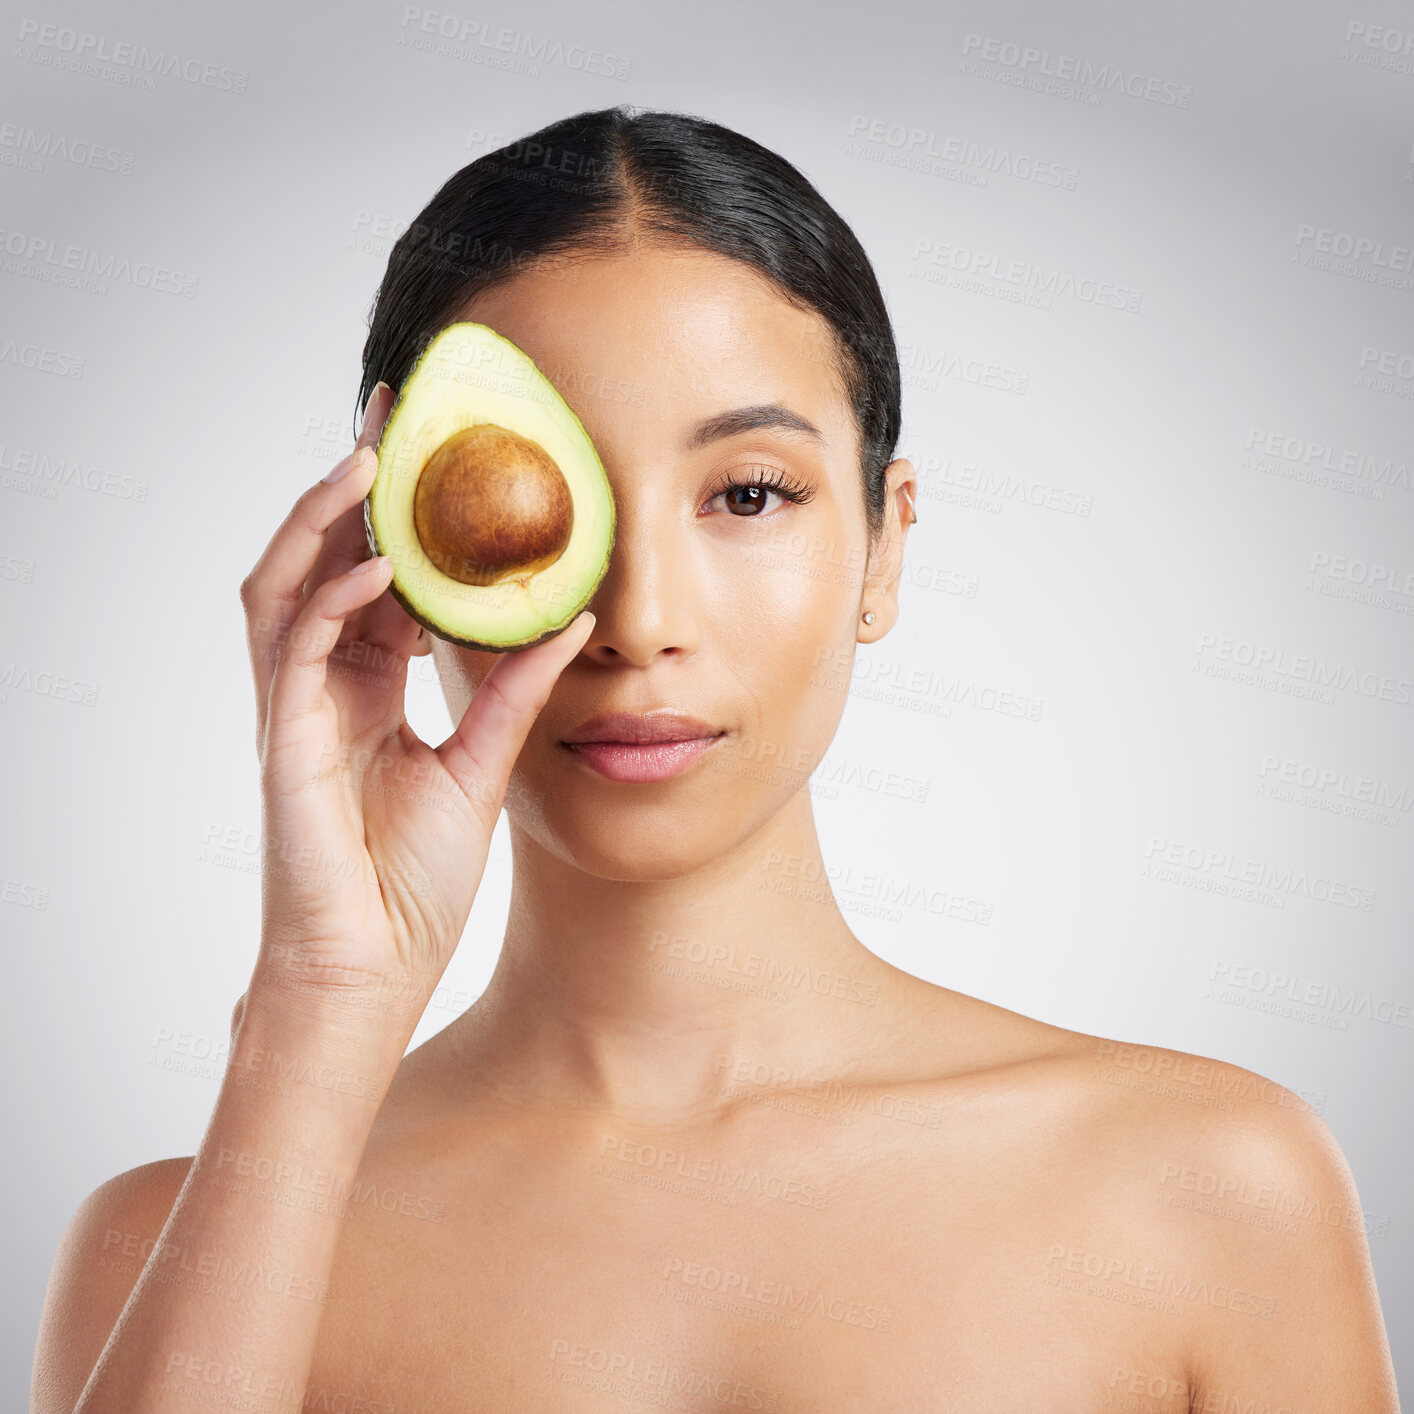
490, 499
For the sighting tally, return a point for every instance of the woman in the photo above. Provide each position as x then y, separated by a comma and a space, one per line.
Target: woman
696, 1145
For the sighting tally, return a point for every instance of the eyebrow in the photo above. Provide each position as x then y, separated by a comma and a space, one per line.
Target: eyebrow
728, 424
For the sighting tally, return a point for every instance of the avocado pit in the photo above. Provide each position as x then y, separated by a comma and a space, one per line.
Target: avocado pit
491, 506
490, 498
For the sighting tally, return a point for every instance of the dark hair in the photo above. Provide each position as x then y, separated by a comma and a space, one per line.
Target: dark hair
590, 183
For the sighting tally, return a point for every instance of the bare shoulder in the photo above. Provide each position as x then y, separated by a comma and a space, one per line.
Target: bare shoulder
1261, 1207
1197, 1187
1139, 1094
1212, 1129
103, 1250
1213, 1137
1206, 1135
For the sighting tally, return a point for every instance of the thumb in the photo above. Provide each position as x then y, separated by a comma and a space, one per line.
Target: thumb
480, 753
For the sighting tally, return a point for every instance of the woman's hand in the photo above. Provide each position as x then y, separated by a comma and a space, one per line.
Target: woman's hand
374, 843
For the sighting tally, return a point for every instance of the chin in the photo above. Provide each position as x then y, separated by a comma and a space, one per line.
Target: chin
615, 831
631, 857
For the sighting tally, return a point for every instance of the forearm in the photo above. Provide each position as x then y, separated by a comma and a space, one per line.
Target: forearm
234, 1290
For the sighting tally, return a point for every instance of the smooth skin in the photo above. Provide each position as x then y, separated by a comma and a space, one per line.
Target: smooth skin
696, 1145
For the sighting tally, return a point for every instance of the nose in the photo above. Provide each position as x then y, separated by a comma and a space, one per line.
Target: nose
648, 604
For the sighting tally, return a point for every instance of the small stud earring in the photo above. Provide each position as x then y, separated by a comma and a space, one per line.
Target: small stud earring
869, 617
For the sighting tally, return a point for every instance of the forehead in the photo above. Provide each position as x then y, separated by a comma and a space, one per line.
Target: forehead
667, 330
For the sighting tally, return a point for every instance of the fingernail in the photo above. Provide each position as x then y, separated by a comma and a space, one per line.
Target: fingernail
379, 384
344, 467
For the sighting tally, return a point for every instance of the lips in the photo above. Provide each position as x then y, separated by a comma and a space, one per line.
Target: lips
641, 729
641, 747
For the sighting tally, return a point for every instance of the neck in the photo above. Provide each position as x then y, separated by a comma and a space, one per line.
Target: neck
655, 997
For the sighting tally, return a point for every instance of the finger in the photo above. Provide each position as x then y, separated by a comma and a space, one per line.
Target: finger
384, 627
347, 541
273, 593
392, 634
480, 753
297, 689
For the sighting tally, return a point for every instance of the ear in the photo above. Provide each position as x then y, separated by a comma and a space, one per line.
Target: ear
879, 593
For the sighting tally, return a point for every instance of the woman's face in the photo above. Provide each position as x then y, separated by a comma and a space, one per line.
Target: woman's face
740, 609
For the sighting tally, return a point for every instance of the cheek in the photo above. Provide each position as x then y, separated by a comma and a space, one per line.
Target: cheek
800, 576
788, 631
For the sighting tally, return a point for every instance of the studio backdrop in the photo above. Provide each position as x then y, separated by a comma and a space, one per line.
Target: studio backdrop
1136, 760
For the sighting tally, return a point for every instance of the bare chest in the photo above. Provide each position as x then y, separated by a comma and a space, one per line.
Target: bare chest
886, 1270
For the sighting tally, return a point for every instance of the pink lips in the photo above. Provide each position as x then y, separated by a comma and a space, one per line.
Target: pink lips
641, 747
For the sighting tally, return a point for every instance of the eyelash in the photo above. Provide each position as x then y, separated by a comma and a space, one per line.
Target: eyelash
771, 479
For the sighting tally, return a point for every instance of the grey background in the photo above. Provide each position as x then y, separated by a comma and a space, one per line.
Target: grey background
1178, 542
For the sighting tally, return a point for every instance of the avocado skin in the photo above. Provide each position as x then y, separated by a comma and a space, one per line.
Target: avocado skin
425, 617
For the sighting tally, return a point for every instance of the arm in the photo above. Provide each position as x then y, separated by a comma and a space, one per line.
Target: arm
231, 1293
352, 947
1323, 1346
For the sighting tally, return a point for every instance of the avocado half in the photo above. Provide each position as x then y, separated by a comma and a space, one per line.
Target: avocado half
490, 499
